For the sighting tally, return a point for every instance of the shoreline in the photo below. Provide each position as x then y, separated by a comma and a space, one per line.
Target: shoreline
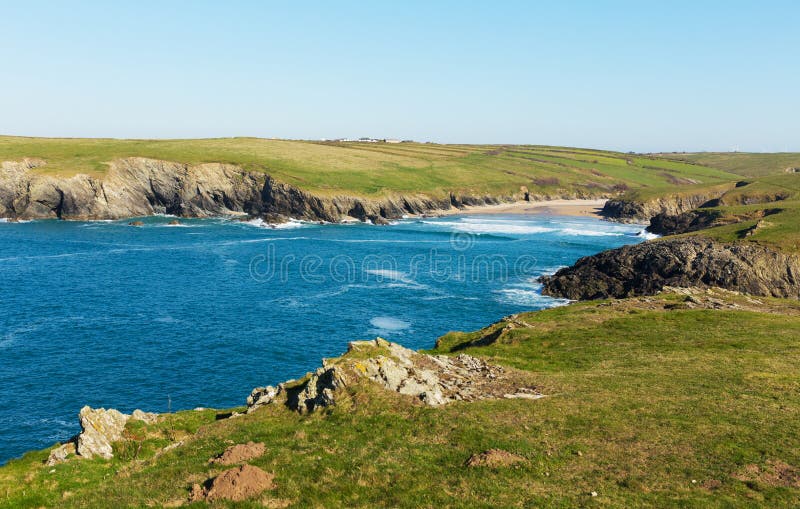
560, 207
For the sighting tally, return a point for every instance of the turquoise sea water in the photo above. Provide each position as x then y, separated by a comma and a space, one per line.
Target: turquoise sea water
158, 317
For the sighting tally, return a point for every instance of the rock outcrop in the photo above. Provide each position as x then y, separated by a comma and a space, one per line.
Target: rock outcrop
432, 379
100, 428
644, 269
641, 211
138, 186
700, 219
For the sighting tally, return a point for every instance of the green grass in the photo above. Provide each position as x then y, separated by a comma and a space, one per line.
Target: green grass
644, 397
747, 164
380, 169
776, 195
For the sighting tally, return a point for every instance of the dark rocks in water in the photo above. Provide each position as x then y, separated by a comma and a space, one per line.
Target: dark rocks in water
645, 269
136, 223
174, 222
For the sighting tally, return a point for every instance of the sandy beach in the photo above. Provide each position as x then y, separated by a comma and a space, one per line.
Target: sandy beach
549, 207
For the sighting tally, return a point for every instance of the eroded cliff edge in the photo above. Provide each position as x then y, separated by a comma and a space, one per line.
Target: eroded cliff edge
630, 209
141, 187
645, 269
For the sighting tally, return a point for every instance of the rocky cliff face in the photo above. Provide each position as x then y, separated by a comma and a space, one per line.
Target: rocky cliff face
644, 269
141, 187
695, 220
641, 211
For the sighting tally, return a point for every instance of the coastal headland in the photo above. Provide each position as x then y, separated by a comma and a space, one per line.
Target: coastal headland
671, 382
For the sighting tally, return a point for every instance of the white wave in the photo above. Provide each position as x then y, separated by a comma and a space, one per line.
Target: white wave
396, 279
255, 241
394, 275
166, 319
527, 294
260, 223
589, 233
527, 297
179, 225
469, 225
646, 235
546, 271
386, 241
387, 323
46, 257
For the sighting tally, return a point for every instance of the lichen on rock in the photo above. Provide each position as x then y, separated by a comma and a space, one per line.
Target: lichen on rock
431, 379
100, 427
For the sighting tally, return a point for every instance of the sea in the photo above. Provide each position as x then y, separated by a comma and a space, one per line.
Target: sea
166, 317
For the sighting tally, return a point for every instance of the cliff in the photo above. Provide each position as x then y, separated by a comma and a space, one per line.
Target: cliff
634, 210
645, 269
140, 187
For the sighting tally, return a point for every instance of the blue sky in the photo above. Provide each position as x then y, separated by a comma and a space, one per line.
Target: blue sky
627, 75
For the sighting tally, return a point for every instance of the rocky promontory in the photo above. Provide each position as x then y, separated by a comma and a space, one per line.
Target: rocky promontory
633, 210
645, 269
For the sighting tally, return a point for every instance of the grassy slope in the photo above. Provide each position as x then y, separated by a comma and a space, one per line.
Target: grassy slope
642, 400
375, 169
778, 194
742, 163
768, 186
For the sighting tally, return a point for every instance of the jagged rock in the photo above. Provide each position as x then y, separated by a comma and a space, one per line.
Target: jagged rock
645, 269
136, 223
695, 220
174, 222
100, 428
261, 396
61, 453
318, 392
146, 417
433, 380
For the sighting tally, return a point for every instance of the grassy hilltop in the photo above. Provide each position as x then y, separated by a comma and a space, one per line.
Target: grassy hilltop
748, 164
658, 401
371, 169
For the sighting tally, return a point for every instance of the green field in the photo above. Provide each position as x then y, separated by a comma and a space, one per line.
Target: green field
649, 404
748, 164
370, 169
